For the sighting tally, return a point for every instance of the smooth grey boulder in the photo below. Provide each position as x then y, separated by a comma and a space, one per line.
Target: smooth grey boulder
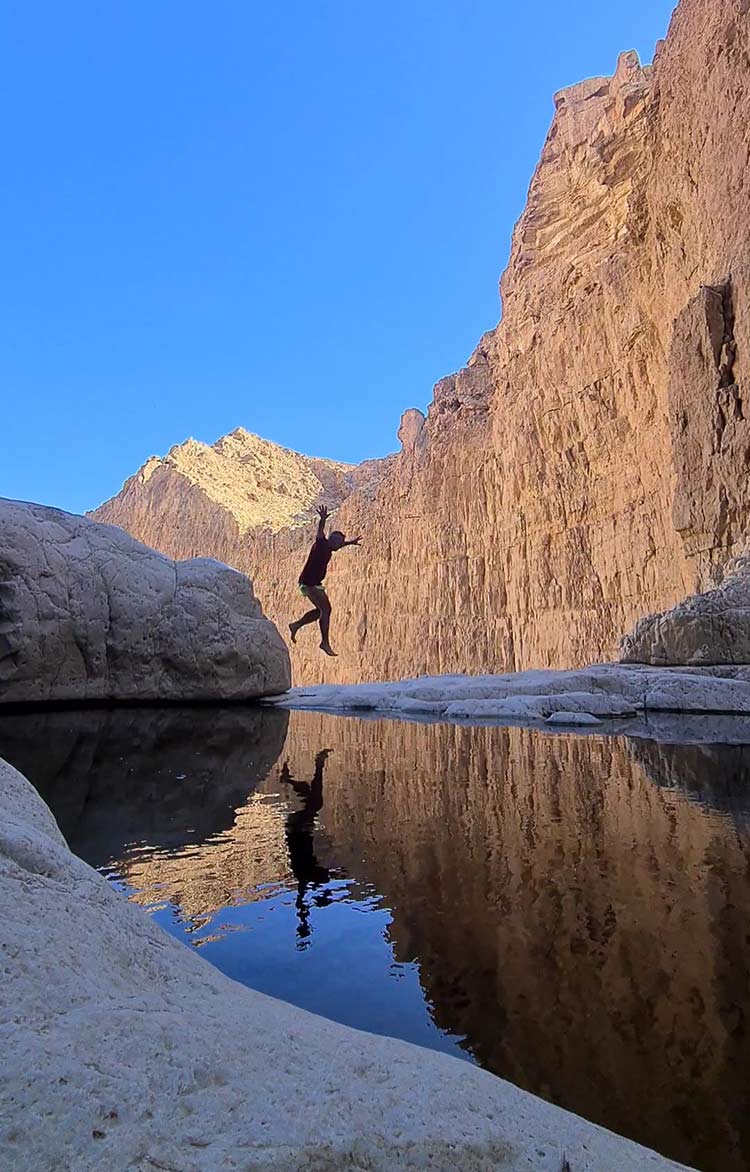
88, 613
701, 631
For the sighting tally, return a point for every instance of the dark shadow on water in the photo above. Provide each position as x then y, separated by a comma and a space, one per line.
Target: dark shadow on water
163, 776
715, 776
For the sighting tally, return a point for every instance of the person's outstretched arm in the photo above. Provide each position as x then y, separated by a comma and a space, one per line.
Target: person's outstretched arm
353, 541
323, 514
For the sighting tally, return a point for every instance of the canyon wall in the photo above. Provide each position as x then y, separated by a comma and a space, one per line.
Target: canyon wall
589, 464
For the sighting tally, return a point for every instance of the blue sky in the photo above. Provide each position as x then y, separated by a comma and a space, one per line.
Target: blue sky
289, 217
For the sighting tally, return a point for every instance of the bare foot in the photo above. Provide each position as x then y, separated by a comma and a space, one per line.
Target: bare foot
328, 649
293, 628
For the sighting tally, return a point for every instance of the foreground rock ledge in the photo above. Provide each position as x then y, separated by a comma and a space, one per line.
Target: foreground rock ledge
123, 1049
88, 613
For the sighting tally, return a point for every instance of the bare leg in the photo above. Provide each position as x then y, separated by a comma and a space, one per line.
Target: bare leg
312, 616
320, 598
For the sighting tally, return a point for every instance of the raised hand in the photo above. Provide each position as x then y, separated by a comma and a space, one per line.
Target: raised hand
323, 512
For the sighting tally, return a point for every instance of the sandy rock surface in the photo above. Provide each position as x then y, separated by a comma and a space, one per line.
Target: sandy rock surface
122, 1049
88, 613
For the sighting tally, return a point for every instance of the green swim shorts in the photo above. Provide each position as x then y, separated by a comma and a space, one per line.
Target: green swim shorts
304, 590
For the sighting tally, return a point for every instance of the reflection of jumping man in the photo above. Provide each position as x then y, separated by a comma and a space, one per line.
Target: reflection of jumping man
299, 831
311, 580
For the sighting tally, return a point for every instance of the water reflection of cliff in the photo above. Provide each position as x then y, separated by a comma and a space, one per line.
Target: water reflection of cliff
586, 930
181, 782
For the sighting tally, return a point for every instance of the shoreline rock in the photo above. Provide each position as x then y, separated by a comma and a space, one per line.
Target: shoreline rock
124, 1049
605, 693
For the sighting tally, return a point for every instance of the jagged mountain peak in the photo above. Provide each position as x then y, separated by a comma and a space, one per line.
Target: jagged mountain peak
257, 483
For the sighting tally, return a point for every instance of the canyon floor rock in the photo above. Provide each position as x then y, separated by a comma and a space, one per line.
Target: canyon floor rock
608, 692
88, 613
122, 1049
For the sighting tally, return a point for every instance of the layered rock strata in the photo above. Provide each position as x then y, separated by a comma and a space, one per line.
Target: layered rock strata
213, 499
127, 1050
588, 466
88, 613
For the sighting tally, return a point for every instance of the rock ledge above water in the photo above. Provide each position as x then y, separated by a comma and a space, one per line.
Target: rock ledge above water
608, 691
88, 613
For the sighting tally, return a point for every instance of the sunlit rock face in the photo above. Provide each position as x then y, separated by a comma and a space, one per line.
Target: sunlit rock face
216, 497
587, 467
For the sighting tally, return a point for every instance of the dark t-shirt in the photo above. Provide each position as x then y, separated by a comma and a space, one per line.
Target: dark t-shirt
317, 563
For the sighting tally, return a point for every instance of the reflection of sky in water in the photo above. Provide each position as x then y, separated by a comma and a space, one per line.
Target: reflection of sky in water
264, 903
344, 969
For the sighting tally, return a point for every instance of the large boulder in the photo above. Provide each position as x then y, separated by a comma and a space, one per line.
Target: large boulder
701, 631
88, 613
124, 1050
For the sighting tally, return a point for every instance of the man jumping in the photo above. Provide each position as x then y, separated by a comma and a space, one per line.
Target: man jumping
311, 580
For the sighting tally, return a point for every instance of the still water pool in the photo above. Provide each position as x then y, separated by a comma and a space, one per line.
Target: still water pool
572, 913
